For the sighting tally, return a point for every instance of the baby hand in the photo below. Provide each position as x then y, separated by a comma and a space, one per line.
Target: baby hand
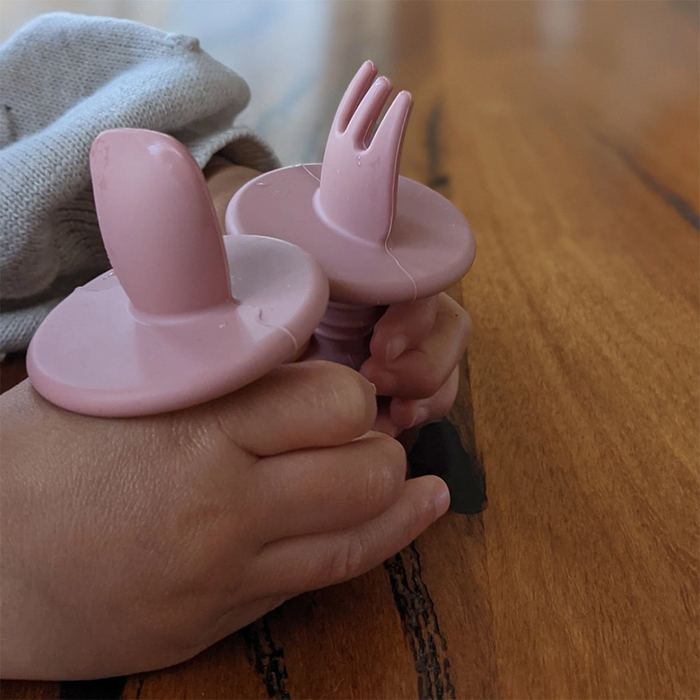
415, 352
416, 346
133, 544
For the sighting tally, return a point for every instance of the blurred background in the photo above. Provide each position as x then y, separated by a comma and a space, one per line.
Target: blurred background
298, 55
281, 47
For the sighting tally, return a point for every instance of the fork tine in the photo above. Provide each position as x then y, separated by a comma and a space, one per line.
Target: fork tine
389, 136
368, 112
353, 96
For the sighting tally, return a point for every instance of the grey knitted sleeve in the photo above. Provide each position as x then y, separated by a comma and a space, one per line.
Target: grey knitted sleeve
63, 79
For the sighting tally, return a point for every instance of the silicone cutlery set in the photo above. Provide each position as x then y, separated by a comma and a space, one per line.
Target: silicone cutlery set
187, 314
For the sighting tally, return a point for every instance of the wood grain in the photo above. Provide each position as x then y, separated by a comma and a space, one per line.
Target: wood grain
568, 135
584, 360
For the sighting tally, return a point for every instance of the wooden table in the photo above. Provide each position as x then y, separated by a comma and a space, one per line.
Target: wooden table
568, 135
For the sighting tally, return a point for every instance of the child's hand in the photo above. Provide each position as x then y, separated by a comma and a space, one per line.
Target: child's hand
416, 348
132, 544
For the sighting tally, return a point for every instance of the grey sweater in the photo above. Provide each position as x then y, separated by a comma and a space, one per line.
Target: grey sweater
63, 79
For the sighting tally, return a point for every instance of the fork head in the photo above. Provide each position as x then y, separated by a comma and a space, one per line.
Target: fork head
360, 173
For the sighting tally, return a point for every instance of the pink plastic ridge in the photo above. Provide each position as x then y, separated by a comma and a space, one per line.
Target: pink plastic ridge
183, 317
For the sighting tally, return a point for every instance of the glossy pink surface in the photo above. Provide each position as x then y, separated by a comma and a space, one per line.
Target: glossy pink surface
380, 238
184, 317
158, 223
361, 168
430, 245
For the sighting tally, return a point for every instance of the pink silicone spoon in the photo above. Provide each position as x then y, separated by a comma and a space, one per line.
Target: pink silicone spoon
183, 317
379, 237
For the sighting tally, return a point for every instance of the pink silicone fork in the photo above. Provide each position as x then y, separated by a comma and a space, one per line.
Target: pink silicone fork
379, 237
363, 170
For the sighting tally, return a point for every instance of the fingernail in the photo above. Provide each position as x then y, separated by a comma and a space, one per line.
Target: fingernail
395, 347
441, 500
374, 386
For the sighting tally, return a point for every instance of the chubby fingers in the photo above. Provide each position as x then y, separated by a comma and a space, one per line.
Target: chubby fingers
409, 413
403, 326
298, 406
333, 488
419, 372
304, 563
